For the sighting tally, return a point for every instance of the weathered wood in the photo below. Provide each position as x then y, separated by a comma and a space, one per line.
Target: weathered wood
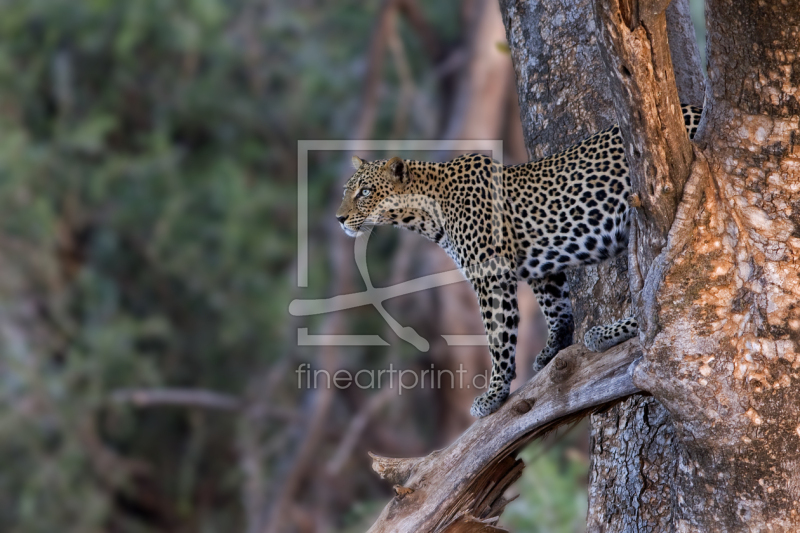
632, 36
455, 488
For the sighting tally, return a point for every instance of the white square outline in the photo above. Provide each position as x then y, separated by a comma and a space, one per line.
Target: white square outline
303, 148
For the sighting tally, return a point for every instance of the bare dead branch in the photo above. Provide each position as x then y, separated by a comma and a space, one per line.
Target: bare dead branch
416, 18
461, 487
177, 397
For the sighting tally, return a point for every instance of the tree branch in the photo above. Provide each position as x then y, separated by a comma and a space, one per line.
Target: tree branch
461, 487
177, 397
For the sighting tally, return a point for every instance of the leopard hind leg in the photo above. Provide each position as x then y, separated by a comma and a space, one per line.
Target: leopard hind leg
552, 293
601, 338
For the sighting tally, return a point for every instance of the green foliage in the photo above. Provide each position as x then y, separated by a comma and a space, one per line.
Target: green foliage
552, 489
147, 185
145, 171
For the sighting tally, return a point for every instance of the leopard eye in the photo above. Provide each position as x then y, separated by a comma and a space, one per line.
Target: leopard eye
364, 192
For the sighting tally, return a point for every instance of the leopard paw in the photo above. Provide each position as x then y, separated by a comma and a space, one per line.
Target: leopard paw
601, 338
544, 357
488, 402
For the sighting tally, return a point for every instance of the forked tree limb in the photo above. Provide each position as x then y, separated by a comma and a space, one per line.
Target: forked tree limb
632, 38
461, 488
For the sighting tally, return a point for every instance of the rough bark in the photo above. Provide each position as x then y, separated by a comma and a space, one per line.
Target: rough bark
633, 467
725, 359
461, 487
561, 82
721, 297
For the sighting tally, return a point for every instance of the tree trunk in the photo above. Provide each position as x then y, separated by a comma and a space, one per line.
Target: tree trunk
724, 356
742, 320
717, 295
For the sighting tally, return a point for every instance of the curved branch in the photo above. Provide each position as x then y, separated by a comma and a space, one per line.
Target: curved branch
461, 487
177, 397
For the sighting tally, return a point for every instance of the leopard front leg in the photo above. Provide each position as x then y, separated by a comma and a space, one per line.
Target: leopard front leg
497, 296
552, 293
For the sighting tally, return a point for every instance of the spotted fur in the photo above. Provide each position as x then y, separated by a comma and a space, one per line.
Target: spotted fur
502, 225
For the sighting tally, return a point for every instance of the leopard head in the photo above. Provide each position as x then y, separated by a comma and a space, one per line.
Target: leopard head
370, 195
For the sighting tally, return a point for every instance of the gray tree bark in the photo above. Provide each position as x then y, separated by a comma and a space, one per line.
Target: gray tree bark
715, 260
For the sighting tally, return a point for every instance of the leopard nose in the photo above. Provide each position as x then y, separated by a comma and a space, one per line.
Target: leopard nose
341, 218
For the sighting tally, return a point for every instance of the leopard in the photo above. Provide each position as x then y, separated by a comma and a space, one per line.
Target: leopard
503, 225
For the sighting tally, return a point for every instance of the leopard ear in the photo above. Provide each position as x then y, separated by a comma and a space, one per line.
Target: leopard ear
398, 169
357, 162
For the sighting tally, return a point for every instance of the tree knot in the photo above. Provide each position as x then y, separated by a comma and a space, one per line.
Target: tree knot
523, 405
